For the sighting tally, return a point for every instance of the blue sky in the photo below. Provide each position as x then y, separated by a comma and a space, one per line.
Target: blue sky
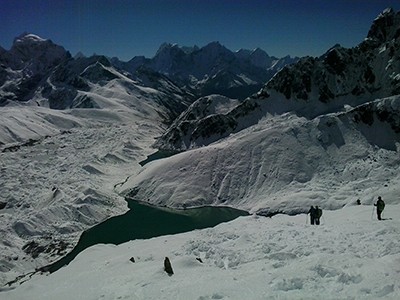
129, 28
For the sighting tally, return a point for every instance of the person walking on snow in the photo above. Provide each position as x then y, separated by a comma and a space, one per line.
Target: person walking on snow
312, 214
380, 206
318, 214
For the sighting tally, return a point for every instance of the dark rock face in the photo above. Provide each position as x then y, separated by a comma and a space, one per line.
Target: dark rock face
385, 27
335, 62
168, 267
372, 112
54, 248
367, 70
292, 83
201, 125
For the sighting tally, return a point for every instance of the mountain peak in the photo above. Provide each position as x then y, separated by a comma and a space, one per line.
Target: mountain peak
258, 50
385, 27
216, 48
27, 38
30, 48
386, 12
166, 47
214, 45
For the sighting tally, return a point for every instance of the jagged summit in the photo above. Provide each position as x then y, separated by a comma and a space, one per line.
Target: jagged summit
385, 27
34, 51
365, 72
166, 47
386, 12
211, 69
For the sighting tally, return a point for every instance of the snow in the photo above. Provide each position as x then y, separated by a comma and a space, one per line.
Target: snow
351, 255
29, 37
64, 171
59, 168
283, 163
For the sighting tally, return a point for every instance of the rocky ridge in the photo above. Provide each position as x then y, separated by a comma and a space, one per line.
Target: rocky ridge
313, 86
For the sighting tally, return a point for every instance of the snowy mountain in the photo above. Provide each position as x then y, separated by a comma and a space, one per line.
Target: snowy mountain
38, 71
314, 86
324, 122
212, 69
75, 127
324, 131
25, 64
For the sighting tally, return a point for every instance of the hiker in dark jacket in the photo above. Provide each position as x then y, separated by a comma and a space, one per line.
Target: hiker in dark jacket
312, 212
318, 214
380, 206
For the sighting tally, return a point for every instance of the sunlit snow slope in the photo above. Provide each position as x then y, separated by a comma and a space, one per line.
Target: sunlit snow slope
324, 130
284, 163
349, 256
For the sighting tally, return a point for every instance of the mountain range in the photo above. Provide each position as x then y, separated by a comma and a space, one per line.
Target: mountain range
37, 70
281, 135
339, 79
212, 69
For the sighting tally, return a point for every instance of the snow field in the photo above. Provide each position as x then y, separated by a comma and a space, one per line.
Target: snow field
283, 163
349, 256
63, 182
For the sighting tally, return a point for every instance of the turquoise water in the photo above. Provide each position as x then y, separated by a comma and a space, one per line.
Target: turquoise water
143, 221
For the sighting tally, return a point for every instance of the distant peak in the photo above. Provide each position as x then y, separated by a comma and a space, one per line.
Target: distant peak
244, 51
166, 47
385, 27
28, 37
385, 13
258, 50
189, 50
79, 55
336, 46
215, 47
214, 44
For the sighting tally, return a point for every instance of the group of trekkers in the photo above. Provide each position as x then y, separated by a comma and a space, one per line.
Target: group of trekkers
316, 212
315, 215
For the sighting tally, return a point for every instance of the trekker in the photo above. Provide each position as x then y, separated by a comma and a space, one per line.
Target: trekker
380, 206
318, 214
312, 214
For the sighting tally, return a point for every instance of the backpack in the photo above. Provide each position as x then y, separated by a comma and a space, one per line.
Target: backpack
380, 205
319, 213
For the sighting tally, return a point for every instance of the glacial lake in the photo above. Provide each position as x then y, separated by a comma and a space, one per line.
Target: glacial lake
143, 221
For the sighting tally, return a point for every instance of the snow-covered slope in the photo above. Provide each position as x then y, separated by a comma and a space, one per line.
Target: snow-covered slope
349, 256
284, 163
80, 129
58, 171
